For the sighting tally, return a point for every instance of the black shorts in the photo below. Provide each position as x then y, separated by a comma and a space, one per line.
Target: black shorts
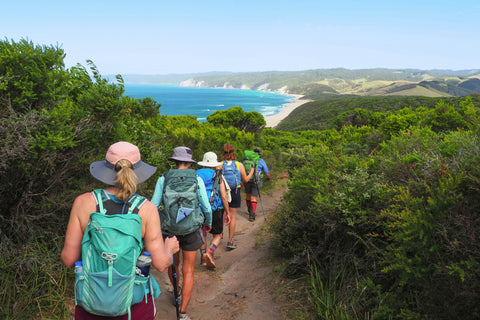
192, 241
236, 198
217, 221
251, 188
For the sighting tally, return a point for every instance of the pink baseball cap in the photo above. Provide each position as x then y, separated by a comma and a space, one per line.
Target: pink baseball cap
105, 172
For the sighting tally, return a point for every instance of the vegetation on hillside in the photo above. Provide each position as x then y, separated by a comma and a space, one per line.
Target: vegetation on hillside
380, 217
382, 213
337, 82
329, 113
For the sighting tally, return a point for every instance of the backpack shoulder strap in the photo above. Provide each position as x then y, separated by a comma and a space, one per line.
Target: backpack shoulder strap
98, 197
136, 202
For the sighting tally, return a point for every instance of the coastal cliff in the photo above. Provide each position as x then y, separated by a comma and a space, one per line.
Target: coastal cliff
227, 85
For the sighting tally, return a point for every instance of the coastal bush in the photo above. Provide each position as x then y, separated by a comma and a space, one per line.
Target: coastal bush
32, 76
402, 221
336, 112
53, 124
251, 121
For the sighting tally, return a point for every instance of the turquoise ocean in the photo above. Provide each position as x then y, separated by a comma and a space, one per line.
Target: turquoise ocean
201, 102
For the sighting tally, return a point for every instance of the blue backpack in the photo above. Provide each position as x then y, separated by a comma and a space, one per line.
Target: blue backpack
207, 177
108, 284
231, 172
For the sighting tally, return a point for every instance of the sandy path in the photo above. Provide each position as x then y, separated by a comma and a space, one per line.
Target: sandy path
240, 286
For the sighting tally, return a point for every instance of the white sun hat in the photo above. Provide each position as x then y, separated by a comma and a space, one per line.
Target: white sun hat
210, 160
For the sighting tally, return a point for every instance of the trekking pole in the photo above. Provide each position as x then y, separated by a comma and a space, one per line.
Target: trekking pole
175, 288
259, 197
216, 177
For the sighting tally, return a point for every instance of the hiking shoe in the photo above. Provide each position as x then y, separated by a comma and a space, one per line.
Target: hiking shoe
183, 316
231, 246
202, 260
208, 257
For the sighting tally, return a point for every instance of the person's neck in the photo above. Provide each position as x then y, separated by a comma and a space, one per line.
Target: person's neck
112, 189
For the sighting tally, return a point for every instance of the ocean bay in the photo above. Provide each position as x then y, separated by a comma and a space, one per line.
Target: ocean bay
201, 102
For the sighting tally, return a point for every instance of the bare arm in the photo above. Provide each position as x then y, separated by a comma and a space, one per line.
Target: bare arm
79, 215
223, 195
244, 176
85, 204
161, 251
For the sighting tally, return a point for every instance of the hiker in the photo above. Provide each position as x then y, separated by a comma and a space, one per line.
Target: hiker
252, 188
234, 173
216, 189
122, 170
181, 192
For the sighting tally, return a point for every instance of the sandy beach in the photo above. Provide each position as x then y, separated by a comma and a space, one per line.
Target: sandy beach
274, 120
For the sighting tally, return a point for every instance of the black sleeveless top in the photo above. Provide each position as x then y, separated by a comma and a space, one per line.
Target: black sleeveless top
114, 206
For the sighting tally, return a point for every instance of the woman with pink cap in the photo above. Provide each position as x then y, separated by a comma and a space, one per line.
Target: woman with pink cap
122, 170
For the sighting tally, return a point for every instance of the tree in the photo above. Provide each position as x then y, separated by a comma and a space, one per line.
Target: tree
251, 121
31, 76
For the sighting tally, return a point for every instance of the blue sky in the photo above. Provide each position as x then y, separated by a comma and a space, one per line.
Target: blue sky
162, 37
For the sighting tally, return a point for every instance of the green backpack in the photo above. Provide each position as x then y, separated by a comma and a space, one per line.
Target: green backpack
108, 284
250, 160
181, 213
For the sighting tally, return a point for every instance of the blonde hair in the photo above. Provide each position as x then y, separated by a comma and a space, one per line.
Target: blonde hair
126, 180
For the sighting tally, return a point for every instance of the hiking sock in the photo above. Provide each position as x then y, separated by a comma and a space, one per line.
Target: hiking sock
212, 248
248, 202
254, 206
250, 209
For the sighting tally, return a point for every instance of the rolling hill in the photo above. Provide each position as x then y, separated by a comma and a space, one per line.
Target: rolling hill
333, 82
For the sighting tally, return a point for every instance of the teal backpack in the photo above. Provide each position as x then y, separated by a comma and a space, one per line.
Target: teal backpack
181, 213
108, 284
250, 160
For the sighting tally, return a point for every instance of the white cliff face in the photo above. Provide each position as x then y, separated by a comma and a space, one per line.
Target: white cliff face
226, 85
283, 90
263, 87
192, 83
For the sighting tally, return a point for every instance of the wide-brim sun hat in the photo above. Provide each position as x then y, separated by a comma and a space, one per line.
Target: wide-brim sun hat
183, 154
105, 172
210, 160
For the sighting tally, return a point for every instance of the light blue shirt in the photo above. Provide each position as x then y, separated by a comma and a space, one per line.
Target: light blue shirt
262, 166
202, 197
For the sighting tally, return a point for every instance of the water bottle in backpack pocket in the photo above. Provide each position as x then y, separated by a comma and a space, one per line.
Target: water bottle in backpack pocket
143, 264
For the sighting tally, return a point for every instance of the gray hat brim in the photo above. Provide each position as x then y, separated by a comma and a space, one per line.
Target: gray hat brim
182, 159
105, 172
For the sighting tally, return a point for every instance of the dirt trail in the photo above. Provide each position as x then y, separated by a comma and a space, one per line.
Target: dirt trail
240, 287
